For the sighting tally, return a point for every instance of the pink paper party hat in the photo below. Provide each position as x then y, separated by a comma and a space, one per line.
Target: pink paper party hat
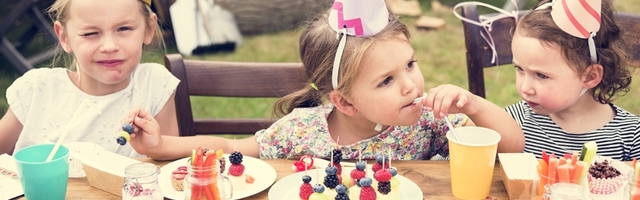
579, 18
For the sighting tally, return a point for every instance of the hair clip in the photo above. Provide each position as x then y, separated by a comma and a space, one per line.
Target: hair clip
314, 86
148, 2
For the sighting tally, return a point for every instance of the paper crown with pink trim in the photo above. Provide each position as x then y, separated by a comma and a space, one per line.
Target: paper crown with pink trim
579, 18
358, 18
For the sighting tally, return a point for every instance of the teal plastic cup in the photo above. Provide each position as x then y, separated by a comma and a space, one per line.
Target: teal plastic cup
40, 179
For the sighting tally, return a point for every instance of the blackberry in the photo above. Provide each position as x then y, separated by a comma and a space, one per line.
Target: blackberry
342, 197
235, 158
331, 181
337, 155
384, 187
306, 178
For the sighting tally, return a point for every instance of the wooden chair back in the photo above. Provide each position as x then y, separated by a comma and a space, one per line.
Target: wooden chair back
228, 79
480, 54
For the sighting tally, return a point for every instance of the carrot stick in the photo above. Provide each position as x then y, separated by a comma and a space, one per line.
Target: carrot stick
633, 163
577, 171
553, 165
562, 161
563, 173
544, 168
574, 158
543, 179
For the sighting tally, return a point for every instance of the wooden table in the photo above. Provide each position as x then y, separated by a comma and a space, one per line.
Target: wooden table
433, 177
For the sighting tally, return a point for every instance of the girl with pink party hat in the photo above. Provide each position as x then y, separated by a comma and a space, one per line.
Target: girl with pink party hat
362, 80
570, 67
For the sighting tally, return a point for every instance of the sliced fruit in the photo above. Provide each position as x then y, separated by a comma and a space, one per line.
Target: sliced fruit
249, 178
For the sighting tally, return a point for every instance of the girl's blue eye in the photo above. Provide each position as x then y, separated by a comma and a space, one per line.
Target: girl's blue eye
124, 28
89, 34
386, 81
542, 76
411, 64
518, 68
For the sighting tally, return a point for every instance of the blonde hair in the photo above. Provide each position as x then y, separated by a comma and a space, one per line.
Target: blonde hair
318, 45
59, 11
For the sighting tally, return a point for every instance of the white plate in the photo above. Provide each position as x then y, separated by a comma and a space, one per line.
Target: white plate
288, 187
263, 173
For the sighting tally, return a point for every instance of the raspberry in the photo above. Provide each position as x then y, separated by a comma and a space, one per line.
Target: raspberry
331, 181
382, 175
368, 193
377, 166
337, 155
339, 167
236, 169
235, 158
384, 187
305, 191
357, 174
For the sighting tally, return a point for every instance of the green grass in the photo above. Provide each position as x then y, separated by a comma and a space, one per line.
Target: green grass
440, 54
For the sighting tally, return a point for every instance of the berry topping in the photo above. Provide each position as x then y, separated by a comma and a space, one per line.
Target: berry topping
236, 169
341, 189
331, 181
337, 166
128, 128
382, 175
379, 159
384, 187
318, 188
305, 191
357, 174
366, 181
368, 193
306, 178
377, 166
337, 155
393, 171
235, 158
331, 170
121, 140
360, 165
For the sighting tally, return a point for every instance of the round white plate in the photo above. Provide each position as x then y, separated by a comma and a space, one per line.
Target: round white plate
263, 173
288, 187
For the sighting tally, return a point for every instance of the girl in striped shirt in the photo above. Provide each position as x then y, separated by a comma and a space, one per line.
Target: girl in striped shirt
569, 69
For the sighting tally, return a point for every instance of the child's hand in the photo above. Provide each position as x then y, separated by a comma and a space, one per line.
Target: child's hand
446, 99
146, 131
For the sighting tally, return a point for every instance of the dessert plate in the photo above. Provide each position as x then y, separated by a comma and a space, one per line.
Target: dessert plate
288, 187
263, 173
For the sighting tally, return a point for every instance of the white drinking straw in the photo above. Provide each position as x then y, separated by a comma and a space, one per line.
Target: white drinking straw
451, 128
66, 130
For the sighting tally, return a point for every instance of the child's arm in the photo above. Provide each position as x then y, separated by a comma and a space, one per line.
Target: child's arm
10, 128
147, 140
446, 99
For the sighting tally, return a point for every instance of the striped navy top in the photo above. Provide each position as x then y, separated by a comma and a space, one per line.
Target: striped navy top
619, 139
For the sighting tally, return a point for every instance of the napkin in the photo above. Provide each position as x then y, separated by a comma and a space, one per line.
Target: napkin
10, 186
518, 174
